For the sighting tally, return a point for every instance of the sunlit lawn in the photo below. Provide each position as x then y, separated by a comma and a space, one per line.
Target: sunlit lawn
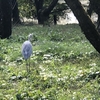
64, 65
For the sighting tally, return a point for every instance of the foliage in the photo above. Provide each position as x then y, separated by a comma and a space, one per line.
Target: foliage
64, 65
28, 10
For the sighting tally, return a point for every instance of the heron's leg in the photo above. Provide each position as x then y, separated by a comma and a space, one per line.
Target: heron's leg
26, 65
29, 64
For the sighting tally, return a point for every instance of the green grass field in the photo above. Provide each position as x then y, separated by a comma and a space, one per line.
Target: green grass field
64, 65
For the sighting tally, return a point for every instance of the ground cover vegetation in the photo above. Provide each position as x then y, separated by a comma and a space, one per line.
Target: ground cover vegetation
64, 65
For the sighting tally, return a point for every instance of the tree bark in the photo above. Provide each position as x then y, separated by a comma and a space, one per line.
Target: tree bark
5, 19
85, 23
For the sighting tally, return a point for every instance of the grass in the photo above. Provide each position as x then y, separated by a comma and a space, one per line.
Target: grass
64, 65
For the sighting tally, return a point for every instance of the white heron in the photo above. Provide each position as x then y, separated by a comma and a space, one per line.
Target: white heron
27, 51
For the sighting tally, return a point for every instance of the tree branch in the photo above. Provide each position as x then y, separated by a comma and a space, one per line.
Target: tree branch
50, 8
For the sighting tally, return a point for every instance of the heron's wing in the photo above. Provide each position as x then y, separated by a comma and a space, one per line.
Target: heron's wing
26, 50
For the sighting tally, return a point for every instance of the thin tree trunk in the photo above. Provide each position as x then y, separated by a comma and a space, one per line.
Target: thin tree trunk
55, 19
85, 23
15, 12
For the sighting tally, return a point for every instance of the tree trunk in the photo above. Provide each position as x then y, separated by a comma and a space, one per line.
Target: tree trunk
39, 6
1, 27
85, 23
5, 19
43, 12
15, 12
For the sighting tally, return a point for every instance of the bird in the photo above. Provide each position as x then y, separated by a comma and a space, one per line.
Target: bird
27, 51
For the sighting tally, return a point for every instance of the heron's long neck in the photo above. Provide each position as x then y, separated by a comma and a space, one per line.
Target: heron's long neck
29, 39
